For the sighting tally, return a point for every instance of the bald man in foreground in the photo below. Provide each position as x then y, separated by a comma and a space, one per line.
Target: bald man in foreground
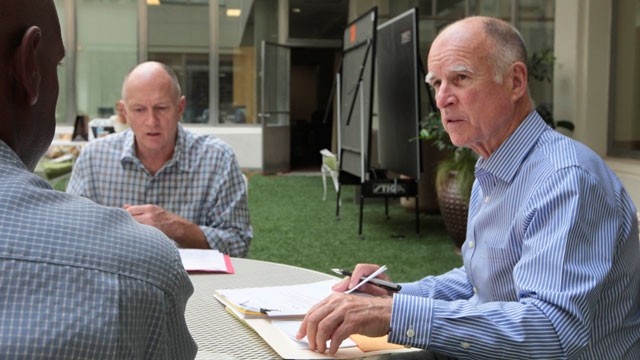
78, 280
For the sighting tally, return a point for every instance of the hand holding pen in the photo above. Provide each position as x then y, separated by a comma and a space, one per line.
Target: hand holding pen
366, 278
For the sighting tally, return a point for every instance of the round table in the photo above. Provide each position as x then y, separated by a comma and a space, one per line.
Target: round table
221, 336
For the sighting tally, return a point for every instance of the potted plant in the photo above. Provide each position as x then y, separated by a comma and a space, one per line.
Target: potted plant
454, 177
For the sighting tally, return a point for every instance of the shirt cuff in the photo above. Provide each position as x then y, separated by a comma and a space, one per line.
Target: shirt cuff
412, 288
411, 318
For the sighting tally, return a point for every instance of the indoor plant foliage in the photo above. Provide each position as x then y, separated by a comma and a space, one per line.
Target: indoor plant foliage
461, 160
454, 178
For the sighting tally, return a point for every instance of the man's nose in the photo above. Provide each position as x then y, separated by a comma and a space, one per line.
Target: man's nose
444, 96
150, 117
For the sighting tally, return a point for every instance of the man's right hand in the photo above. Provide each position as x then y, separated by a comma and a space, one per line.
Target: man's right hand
363, 270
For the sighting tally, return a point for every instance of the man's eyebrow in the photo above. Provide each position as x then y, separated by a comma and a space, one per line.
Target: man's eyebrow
429, 78
455, 69
461, 68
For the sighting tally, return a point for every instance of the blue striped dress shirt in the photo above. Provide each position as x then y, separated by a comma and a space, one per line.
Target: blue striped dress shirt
551, 261
202, 183
84, 281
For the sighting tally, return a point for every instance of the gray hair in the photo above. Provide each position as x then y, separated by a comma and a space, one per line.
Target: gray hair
509, 46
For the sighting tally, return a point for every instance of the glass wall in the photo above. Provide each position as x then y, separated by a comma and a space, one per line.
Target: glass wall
214, 45
625, 92
106, 33
178, 35
237, 62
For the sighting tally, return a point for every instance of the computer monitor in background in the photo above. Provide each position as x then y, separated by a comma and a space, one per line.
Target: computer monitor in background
399, 80
356, 94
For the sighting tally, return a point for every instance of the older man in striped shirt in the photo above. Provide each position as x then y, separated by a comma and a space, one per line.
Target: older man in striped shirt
551, 259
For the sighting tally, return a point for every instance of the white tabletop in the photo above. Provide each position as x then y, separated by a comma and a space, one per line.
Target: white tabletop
218, 334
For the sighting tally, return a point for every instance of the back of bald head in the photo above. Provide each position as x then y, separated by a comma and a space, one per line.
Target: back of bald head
14, 20
16, 16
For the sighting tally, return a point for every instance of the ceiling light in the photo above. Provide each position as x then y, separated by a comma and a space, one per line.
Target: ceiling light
153, 2
234, 12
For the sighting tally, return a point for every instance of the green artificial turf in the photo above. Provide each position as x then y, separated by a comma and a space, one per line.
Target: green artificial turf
292, 225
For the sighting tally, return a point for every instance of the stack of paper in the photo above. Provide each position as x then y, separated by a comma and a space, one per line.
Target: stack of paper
282, 308
275, 301
206, 260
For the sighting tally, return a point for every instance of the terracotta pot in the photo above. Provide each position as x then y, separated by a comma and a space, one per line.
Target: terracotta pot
454, 209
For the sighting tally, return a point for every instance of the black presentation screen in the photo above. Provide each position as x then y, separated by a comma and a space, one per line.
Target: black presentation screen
399, 79
359, 53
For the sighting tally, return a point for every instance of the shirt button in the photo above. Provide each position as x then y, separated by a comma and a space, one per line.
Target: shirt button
470, 244
475, 290
410, 332
465, 345
486, 199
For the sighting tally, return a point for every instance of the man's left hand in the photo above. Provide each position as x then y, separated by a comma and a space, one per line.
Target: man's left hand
341, 315
184, 232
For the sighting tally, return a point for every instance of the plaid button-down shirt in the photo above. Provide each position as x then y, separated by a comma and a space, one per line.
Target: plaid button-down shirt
202, 183
84, 281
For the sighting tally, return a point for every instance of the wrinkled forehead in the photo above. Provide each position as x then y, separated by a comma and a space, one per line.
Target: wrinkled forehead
457, 49
150, 85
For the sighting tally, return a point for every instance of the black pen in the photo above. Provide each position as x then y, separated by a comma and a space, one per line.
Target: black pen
379, 282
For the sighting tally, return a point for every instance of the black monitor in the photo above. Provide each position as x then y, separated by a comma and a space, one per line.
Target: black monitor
356, 94
399, 81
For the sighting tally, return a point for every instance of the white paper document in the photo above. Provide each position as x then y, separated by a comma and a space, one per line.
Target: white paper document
275, 301
208, 260
290, 328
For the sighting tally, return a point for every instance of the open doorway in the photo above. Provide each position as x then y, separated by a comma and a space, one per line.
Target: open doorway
312, 75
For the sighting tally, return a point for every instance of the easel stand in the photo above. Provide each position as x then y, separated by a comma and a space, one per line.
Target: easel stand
381, 187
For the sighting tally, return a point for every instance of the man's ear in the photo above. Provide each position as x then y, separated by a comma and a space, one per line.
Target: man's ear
181, 104
26, 64
519, 80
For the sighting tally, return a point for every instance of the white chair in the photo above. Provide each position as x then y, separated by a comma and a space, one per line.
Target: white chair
329, 167
246, 183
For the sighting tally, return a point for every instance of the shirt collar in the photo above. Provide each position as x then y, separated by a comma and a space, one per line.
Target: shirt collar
506, 160
179, 157
7, 154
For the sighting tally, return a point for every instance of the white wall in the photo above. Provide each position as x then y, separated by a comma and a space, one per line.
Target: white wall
246, 141
582, 80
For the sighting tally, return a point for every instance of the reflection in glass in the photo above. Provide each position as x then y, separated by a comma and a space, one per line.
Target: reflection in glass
277, 62
179, 38
237, 63
106, 50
